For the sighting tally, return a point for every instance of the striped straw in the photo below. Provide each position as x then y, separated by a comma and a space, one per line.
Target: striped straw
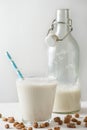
14, 65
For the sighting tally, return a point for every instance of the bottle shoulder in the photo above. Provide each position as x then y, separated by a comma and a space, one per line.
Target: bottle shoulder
68, 43
74, 43
72, 40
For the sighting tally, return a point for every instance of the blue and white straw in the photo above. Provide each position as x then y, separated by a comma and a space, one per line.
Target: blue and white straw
15, 66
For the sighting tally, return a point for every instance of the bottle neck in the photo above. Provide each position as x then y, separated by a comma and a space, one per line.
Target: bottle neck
62, 22
62, 29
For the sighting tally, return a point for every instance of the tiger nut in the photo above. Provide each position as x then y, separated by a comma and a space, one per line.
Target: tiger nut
11, 119
71, 125
60, 122
19, 126
69, 116
85, 124
78, 122
6, 126
30, 128
42, 125
46, 124
56, 128
21, 123
66, 120
35, 125
56, 119
85, 119
5, 119
15, 123
23, 129
0, 115
77, 115
74, 120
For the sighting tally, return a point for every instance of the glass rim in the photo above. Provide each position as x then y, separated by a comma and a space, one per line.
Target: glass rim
38, 79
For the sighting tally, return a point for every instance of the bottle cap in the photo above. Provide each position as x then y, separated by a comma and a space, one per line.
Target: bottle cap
62, 15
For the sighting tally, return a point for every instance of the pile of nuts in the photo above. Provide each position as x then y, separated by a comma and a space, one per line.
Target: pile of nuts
20, 125
70, 121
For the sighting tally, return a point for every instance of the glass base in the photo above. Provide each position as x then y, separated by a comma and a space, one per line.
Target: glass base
27, 123
71, 112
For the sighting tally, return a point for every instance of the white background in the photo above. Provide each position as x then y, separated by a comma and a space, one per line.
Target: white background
23, 26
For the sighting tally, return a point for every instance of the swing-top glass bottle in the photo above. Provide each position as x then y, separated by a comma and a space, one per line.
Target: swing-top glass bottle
63, 63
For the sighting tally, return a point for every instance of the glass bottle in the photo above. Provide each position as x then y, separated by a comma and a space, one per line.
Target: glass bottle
63, 63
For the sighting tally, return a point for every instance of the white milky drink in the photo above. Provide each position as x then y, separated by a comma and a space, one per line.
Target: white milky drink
36, 98
67, 99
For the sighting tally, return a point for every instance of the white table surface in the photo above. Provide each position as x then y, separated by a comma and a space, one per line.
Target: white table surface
12, 109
